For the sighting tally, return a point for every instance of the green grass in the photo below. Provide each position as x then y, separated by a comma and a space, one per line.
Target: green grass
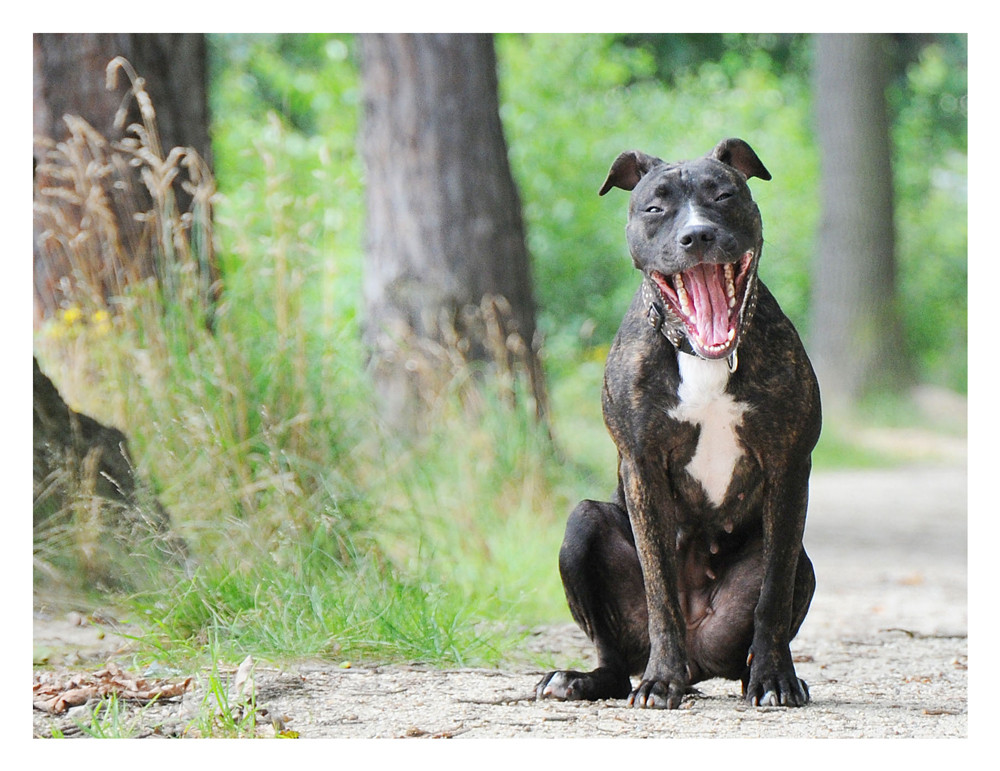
358, 611
219, 716
108, 719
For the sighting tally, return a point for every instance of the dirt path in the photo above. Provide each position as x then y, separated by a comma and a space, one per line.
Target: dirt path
883, 649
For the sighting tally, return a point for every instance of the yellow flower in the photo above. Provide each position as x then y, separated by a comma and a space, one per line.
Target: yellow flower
71, 315
101, 322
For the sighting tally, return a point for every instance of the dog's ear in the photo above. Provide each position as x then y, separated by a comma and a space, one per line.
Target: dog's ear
738, 154
628, 169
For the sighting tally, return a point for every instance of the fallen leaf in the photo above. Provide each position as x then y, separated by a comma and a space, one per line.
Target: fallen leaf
56, 695
243, 685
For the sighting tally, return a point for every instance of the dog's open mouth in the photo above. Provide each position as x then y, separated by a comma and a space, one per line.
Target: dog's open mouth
709, 300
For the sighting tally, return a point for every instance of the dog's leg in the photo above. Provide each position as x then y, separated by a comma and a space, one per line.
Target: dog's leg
603, 582
785, 595
667, 675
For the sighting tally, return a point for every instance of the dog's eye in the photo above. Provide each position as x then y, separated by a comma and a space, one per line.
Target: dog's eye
724, 195
653, 210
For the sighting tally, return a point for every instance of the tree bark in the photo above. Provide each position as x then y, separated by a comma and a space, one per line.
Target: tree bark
447, 268
70, 79
856, 333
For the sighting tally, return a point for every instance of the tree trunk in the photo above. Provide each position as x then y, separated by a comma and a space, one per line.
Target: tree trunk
447, 270
70, 79
856, 334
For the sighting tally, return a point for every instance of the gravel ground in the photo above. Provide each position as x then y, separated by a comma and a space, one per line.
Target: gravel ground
884, 648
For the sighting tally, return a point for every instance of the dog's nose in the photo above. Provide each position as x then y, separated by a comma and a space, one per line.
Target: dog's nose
696, 238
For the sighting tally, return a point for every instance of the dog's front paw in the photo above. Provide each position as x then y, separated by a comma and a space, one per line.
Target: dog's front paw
657, 694
775, 687
588, 686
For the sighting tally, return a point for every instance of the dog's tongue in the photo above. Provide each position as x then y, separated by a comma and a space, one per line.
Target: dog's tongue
705, 285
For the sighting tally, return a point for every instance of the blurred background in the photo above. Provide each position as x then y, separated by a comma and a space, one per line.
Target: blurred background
351, 332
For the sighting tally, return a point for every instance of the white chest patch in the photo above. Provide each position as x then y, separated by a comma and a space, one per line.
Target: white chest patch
705, 403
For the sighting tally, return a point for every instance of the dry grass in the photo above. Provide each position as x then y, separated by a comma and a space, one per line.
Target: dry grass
107, 219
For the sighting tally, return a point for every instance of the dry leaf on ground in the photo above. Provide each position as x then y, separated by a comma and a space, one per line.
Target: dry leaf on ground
55, 693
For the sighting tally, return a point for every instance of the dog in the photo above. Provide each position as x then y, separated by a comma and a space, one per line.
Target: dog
695, 569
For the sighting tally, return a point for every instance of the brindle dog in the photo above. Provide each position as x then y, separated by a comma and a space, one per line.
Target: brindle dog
695, 569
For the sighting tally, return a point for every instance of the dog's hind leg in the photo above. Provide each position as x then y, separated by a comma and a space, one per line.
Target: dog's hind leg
604, 588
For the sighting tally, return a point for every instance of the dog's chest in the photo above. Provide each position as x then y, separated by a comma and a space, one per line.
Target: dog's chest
703, 402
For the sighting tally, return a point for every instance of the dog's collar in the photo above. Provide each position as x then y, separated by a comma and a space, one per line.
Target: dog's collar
656, 316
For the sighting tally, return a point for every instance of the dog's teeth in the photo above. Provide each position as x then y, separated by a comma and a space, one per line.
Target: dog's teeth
732, 335
730, 286
682, 295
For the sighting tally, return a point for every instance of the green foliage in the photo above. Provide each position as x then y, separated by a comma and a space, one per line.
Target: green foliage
681, 53
308, 82
931, 169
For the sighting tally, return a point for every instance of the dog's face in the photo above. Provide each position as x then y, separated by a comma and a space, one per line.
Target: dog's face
695, 233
